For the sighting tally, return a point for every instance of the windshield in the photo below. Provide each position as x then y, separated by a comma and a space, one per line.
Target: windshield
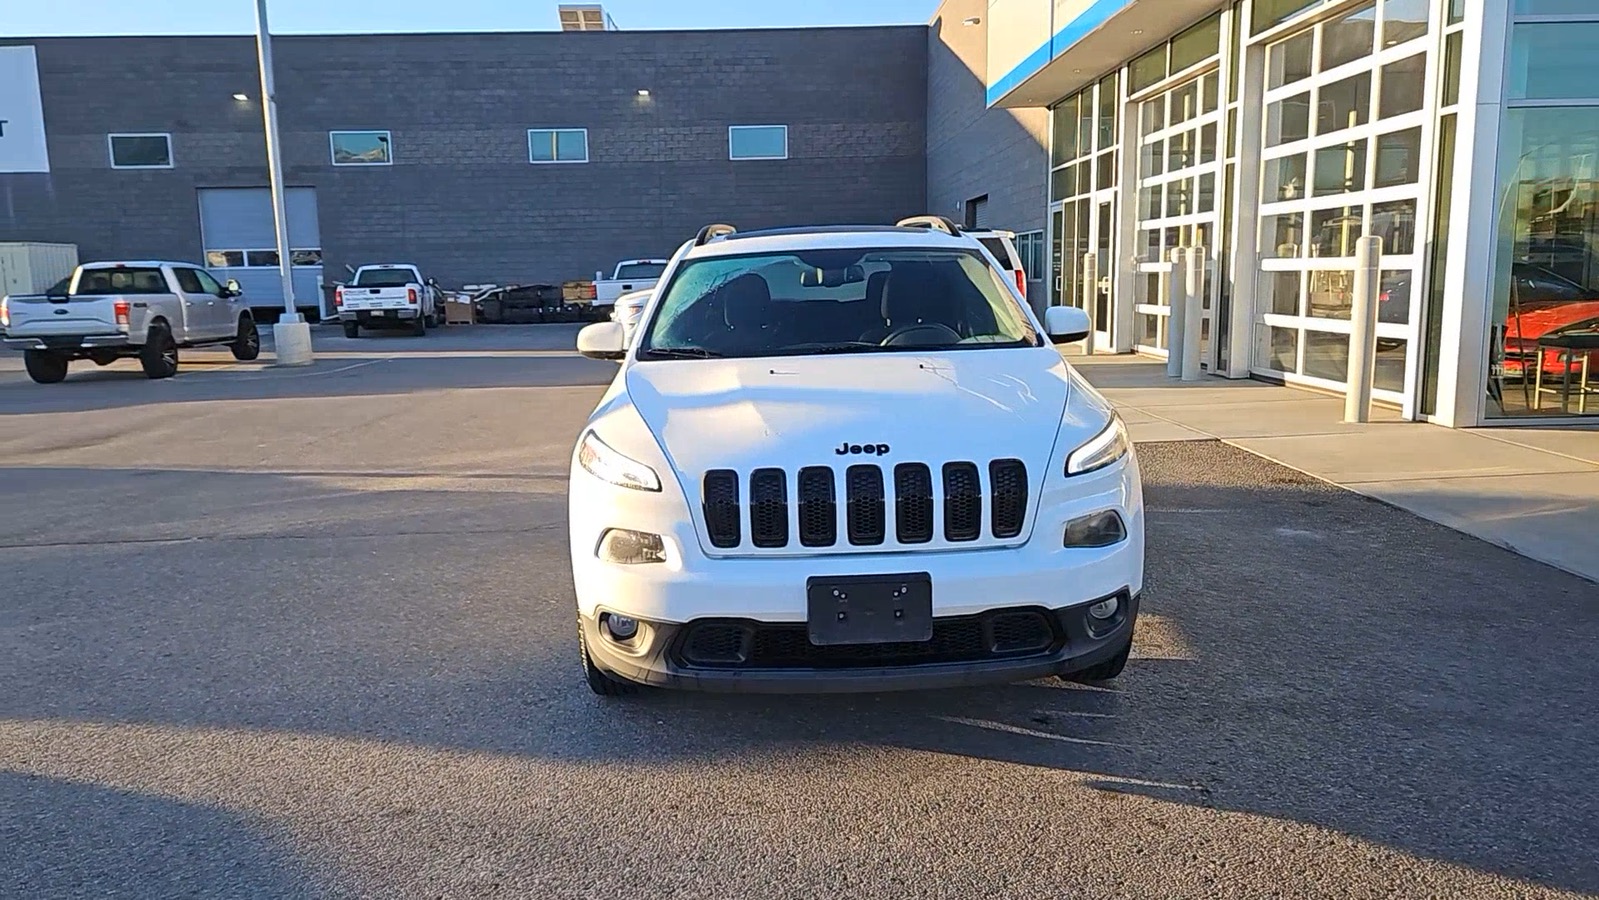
385, 278
835, 301
639, 271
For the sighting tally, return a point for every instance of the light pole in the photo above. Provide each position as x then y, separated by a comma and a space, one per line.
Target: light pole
291, 336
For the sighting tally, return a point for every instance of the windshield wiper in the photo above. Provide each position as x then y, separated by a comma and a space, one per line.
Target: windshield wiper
840, 347
681, 353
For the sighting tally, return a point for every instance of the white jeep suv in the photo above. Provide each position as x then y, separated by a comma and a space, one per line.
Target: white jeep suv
849, 458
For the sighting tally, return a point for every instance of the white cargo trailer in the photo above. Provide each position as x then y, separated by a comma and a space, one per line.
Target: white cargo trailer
31, 267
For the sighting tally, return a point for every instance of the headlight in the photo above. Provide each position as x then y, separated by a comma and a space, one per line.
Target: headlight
604, 463
1105, 448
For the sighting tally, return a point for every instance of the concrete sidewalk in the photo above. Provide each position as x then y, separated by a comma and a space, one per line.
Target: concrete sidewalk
1534, 491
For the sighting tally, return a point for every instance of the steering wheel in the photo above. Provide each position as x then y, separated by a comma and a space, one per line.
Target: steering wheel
921, 333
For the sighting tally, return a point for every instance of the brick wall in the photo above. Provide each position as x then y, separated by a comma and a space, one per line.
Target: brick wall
461, 198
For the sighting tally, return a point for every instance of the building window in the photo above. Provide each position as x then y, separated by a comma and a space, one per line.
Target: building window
1030, 246
757, 142
259, 259
140, 151
558, 145
361, 148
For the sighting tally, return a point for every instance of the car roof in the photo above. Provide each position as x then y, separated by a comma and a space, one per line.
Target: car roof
386, 266
830, 237
142, 263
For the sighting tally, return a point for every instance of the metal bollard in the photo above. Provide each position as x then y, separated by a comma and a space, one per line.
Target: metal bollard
1090, 285
1363, 329
1177, 301
1194, 314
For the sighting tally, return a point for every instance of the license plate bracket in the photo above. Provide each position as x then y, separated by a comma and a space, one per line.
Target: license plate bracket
869, 609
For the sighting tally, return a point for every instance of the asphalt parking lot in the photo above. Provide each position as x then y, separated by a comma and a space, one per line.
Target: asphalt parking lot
309, 632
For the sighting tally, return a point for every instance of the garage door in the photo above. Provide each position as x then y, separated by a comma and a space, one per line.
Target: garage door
240, 238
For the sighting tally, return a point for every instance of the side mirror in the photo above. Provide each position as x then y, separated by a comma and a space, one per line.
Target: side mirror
233, 288
602, 340
433, 282
1066, 324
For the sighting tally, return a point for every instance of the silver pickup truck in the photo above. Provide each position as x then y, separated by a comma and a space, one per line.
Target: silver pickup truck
144, 310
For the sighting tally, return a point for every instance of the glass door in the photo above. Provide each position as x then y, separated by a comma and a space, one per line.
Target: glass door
1104, 285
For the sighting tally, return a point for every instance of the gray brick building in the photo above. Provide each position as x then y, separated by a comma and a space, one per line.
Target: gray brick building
460, 195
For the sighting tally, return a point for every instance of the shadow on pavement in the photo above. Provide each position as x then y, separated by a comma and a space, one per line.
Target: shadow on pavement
65, 839
1306, 655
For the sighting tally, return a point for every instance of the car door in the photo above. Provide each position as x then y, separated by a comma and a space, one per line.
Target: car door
226, 321
199, 308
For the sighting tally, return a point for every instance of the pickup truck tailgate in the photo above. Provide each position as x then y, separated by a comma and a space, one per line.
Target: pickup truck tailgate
42, 317
364, 298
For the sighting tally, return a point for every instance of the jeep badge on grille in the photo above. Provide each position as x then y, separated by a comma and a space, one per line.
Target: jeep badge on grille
872, 449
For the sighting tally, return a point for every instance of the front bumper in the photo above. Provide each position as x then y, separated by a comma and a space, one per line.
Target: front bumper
995, 647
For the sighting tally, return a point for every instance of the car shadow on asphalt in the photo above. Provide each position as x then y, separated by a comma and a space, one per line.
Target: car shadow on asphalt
66, 839
1304, 654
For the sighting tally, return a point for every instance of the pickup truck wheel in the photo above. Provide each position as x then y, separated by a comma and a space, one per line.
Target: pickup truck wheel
45, 367
419, 326
248, 344
1106, 670
599, 681
352, 330
159, 356
433, 321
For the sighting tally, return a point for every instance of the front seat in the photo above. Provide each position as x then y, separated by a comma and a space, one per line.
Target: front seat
912, 294
746, 304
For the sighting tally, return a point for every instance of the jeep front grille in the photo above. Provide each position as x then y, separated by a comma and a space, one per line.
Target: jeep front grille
860, 495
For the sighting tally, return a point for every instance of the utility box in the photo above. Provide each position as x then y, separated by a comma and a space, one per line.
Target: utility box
30, 267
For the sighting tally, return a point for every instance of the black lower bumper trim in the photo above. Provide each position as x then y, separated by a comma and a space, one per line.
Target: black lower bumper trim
656, 657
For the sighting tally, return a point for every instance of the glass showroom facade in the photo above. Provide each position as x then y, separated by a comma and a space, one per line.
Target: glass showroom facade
1271, 135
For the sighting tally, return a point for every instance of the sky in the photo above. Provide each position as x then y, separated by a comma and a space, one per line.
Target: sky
41, 18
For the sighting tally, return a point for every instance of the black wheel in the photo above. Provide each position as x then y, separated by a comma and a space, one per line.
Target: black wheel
352, 330
248, 344
419, 326
433, 321
600, 682
1106, 670
44, 366
159, 356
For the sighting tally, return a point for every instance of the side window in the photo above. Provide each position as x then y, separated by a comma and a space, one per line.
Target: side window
188, 281
207, 283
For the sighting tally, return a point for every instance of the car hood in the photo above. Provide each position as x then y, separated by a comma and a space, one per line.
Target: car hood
789, 412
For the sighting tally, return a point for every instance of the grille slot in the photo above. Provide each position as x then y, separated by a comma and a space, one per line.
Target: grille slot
769, 508
864, 488
721, 506
818, 508
913, 503
716, 644
1021, 632
1007, 486
963, 502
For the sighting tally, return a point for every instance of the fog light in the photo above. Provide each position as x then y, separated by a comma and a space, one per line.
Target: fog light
631, 548
1105, 609
620, 628
1098, 530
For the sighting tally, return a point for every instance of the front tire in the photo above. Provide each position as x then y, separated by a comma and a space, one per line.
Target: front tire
248, 344
419, 326
1105, 671
600, 681
352, 330
159, 356
45, 367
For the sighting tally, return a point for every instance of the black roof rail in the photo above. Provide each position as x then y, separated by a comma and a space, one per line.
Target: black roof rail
936, 223
711, 232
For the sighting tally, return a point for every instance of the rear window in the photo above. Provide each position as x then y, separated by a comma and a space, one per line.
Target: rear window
384, 278
835, 301
640, 271
997, 247
128, 280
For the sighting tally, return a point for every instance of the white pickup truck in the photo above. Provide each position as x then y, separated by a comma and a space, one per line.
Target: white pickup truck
139, 309
393, 295
630, 275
